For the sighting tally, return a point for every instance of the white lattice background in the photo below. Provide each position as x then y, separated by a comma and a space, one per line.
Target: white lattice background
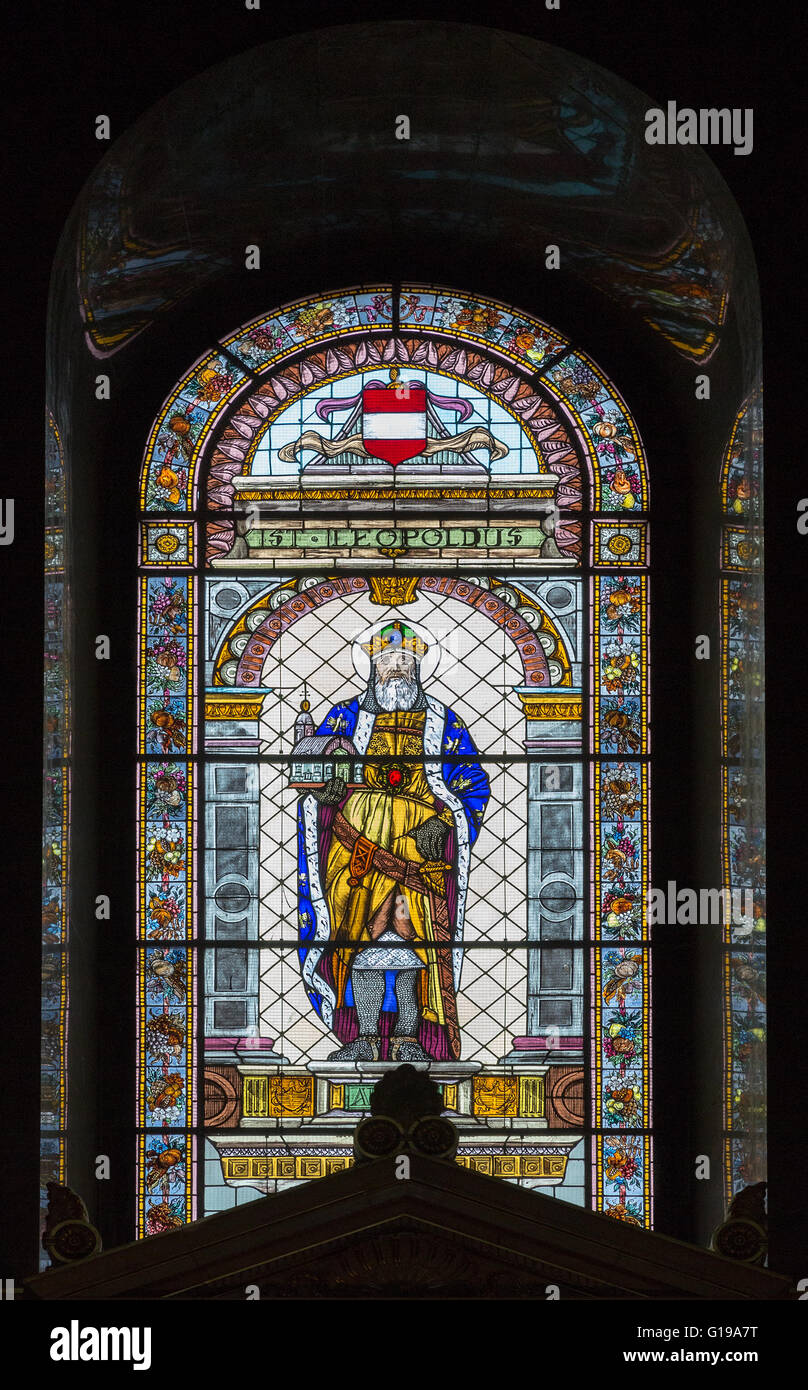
476, 675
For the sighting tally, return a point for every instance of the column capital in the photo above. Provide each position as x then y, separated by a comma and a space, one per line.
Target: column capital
231, 703
561, 702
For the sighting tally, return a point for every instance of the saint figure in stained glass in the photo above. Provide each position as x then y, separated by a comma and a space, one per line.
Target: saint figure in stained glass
384, 864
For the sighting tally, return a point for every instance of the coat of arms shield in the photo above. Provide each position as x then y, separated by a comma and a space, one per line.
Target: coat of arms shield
394, 420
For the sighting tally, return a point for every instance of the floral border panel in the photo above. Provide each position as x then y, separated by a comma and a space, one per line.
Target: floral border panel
623, 1167
619, 840
180, 429
621, 1092
608, 431
620, 664
271, 338
167, 849
166, 665
477, 319
166, 1089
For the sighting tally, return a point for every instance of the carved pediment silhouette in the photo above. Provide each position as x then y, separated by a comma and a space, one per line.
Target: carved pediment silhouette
443, 1232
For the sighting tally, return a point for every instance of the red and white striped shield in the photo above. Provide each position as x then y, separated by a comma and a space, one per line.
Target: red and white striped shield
394, 420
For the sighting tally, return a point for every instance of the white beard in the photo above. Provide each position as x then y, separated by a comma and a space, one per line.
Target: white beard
396, 693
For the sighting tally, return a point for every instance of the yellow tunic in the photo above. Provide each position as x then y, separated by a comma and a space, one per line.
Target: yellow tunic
396, 800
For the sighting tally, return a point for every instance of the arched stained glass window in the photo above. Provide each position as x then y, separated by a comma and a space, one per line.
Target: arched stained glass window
393, 753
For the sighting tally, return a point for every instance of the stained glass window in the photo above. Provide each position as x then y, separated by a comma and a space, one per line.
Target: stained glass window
393, 753
56, 827
743, 837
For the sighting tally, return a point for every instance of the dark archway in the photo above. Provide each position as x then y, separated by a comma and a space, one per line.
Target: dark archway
438, 208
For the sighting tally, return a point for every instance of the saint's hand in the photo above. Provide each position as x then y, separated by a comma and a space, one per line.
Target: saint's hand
430, 838
334, 791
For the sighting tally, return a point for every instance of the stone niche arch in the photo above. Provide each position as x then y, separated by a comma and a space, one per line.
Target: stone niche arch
259, 646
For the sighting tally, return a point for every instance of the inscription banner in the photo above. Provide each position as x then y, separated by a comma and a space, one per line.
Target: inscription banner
267, 544
396, 537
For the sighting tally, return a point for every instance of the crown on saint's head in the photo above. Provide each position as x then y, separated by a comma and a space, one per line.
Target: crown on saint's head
395, 636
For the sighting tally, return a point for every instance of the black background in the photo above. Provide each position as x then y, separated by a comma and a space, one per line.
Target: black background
63, 66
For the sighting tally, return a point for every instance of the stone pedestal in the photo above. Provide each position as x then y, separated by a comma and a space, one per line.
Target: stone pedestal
306, 1115
344, 1087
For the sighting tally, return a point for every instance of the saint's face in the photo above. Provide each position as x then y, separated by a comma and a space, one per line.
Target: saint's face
395, 664
395, 679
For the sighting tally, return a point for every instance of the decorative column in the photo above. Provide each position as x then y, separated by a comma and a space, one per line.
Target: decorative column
231, 871
555, 878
